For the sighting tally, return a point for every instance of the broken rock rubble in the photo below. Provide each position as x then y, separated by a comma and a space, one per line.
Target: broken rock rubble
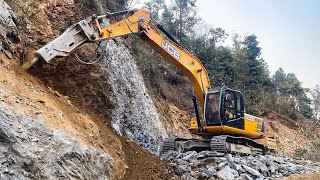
214, 165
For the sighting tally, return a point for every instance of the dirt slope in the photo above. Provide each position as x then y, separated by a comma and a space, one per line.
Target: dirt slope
72, 114
290, 136
28, 95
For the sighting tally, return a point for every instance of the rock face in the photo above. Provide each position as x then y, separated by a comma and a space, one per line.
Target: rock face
134, 114
31, 150
211, 165
8, 28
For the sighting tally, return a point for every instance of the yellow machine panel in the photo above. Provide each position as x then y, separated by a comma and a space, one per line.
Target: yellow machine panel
253, 124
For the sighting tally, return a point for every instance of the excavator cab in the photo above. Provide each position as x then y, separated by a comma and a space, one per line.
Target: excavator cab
224, 106
226, 128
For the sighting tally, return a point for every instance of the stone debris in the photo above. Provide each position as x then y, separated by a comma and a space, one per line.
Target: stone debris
32, 150
211, 165
226, 173
251, 171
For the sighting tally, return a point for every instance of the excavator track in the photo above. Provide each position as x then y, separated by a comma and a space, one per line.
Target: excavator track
167, 145
218, 143
233, 144
223, 144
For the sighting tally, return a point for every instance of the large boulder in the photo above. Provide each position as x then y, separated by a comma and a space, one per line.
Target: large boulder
227, 173
251, 171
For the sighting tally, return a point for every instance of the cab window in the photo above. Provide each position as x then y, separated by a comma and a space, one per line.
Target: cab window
212, 108
230, 106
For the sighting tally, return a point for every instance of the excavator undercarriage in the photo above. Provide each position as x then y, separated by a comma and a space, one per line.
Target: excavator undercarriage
222, 144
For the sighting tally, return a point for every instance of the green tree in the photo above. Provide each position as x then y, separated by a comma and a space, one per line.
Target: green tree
237, 44
219, 63
279, 76
253, 73
304, 106
287, 85
155, 7
293, 88
216, 35
289, 90
204, 44
185, 17
167, 20
252, 47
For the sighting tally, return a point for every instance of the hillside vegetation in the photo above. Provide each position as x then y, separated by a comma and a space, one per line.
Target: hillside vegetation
239, 66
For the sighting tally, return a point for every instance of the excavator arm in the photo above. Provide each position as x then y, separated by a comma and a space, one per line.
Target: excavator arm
137, 22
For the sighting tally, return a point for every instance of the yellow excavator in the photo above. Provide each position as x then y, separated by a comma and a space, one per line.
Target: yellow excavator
220, 120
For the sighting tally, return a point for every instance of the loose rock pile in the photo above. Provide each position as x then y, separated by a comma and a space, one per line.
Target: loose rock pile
214, 165
32, 150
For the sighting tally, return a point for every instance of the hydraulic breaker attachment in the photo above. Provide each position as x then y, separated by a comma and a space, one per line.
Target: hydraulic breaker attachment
88, 30
67, 42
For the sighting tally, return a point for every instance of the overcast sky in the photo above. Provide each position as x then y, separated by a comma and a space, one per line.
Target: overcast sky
288, 31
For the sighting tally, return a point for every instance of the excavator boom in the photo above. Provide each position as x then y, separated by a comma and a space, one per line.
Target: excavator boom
97, 28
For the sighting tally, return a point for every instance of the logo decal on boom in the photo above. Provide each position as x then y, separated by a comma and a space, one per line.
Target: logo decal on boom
170, 49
